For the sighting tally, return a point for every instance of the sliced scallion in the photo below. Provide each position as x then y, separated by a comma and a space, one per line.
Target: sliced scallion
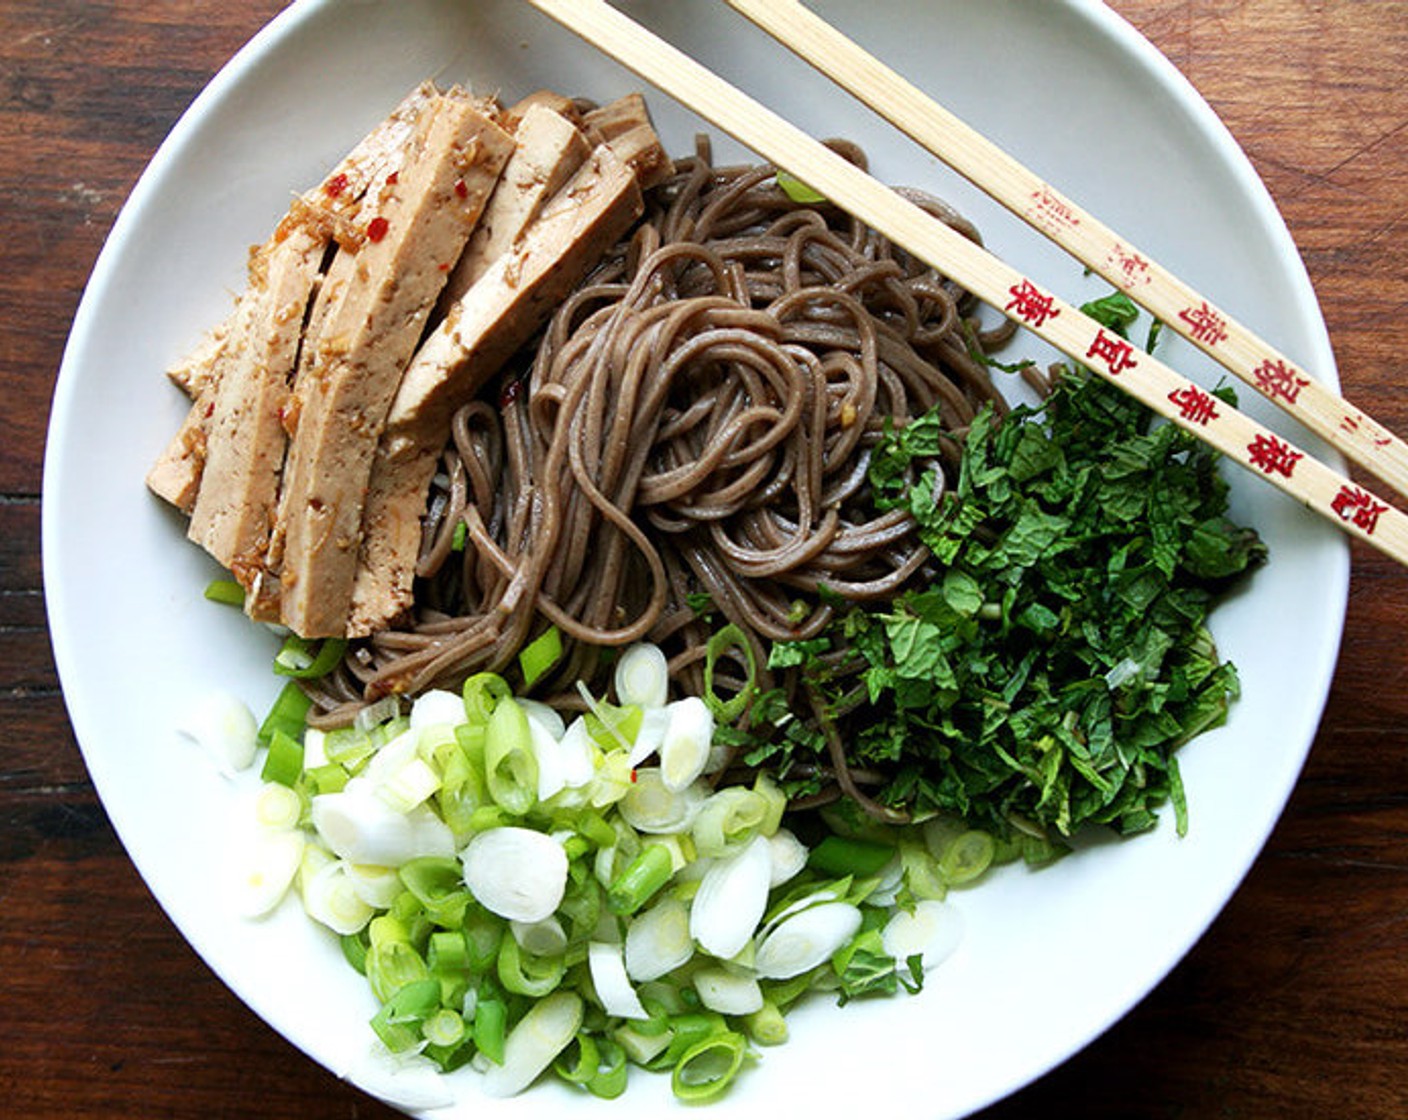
227, 591
490, 1028
642, 676
643, 876
658, 940
731, 637
284, 761
510, 765
516, 873
540, 655
708, 1067
307, 659
538, 1038
288, 713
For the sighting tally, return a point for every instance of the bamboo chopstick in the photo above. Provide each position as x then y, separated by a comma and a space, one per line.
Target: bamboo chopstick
1316, 485
991, 169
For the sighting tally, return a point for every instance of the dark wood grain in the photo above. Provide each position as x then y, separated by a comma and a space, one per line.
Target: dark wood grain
1295, 1003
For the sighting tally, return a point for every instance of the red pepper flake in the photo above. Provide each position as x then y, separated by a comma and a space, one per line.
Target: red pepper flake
392, 178
210, 410
633, 775
510, 392
461, 189
376, 228
336, 185
443, 266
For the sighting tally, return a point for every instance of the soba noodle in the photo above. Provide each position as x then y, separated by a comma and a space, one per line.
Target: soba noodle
697, 421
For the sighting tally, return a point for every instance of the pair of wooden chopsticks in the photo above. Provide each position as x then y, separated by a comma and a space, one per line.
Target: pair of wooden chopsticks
1318, 486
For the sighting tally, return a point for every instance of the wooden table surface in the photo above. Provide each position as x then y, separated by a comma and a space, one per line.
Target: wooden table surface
1295, 1003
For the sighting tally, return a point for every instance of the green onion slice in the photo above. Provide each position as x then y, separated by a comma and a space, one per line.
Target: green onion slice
728, 638
708, 1067
227, 591
306, 659
540, 655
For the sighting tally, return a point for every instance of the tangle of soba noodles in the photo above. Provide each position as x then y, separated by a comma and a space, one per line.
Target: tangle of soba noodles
697, 420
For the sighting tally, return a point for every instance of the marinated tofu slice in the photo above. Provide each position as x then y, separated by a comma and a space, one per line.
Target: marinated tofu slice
497, 316
548, 148
559, 103
175, 476
244, 443
625, 125
366, 336
197, 371
230, 349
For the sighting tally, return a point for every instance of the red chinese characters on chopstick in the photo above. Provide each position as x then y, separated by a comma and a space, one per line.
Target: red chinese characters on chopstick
1133, 268
1358, 507
1195, 405
1277, 379
1272, 455
1050, 211
1030, 304
1115, 352
1205, 325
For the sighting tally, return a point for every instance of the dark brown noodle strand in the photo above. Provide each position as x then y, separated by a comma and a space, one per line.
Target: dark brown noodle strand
695, 425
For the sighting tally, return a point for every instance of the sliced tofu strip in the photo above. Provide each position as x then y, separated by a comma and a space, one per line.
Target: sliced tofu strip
197, 371
625, 125
548, 148
560, 104
367, 336
226, 349
175, 476
496, 317
244, 446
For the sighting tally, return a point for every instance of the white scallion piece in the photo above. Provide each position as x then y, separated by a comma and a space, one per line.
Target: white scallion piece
788, 854
649, 735
544, 938
408, 785
689, 735
642, 676
315, 858
437, 707
391, 757
407, 1081
651, 806
222, 725
266, 862
517, 873
658, 940
1123, 672
932, 931
540, 1036
277, 807
315, 750
612, 984
577, 753
731, 899
804, 940
546, 714
377, 886
728, 993
887, 890
362, 828
378, 712
330, 897
552, 768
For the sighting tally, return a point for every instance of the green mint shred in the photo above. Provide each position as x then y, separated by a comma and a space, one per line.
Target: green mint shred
1045, 679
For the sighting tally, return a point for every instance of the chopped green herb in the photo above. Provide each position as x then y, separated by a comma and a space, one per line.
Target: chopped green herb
1044, 682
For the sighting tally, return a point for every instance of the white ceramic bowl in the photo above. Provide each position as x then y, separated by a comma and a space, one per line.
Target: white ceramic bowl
1051, 958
